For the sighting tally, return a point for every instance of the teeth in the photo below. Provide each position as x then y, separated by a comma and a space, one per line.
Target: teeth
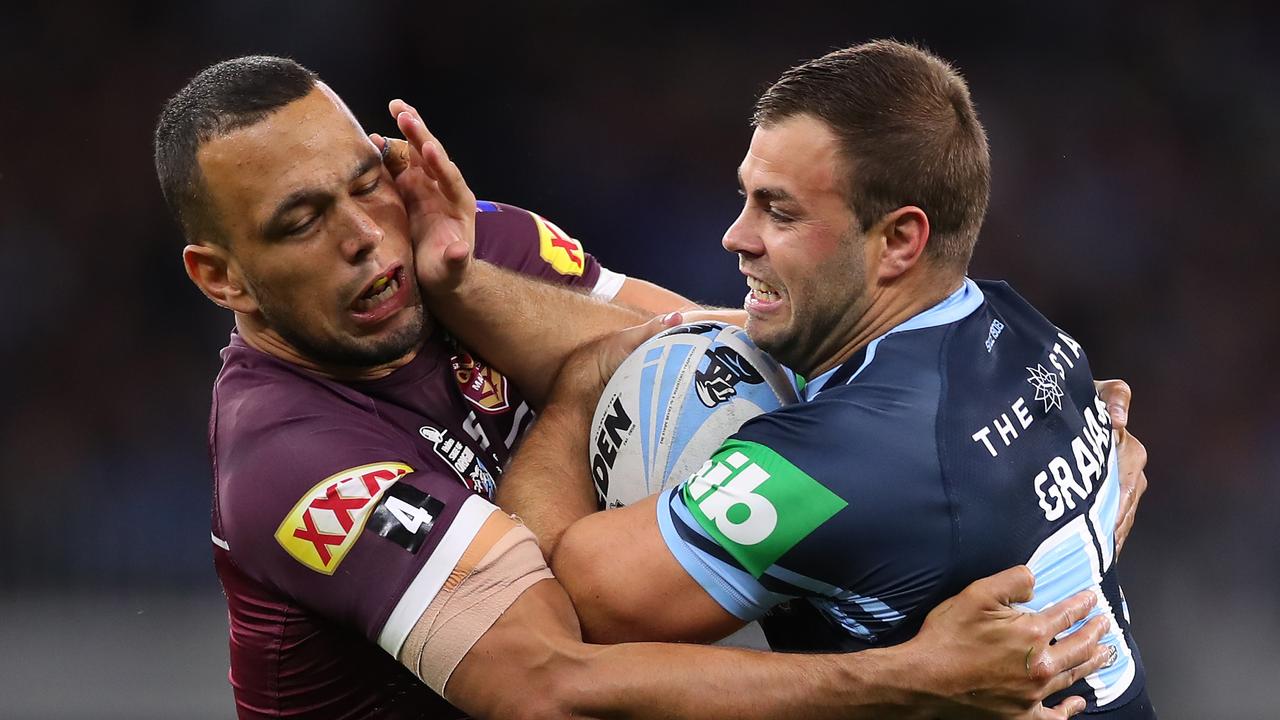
762, 290
382, 289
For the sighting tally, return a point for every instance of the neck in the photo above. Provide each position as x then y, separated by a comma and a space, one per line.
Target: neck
266, 340
888, 306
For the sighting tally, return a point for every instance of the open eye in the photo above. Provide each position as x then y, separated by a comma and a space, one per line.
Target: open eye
779, 217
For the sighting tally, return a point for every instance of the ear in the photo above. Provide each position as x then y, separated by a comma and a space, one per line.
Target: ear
216, 273
905, 232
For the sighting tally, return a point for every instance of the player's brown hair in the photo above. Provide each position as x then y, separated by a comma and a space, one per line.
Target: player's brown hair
224, 97
908, 132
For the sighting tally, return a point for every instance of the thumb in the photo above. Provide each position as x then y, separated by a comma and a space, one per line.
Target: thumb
456, 257
617, 347
1007, 587
631, 337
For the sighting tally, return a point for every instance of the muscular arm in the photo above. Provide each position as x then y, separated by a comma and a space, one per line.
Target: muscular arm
646, 297
971, 642
524, 327
527, 328
548, 672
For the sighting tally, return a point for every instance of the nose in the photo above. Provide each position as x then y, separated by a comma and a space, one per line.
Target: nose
360, 235
742, 238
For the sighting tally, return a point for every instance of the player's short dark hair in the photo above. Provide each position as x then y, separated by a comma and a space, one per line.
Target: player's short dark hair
908, 132
224, 97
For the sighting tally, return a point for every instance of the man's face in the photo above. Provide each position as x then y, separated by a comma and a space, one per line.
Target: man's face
317, 232
798, 244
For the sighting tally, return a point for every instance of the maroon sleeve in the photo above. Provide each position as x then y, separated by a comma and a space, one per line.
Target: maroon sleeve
529, 243
337, 516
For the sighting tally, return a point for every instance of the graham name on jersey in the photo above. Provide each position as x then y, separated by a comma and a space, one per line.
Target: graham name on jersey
1057, 486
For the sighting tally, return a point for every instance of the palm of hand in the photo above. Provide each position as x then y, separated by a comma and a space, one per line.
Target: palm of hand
442, 233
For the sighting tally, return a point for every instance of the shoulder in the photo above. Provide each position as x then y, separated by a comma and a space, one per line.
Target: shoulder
265, 410
527, 242
881, 421
281, 438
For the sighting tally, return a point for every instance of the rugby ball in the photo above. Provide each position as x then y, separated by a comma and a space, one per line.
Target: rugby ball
672, 403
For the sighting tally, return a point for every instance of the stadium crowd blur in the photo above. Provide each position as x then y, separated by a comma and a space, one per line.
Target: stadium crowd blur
1136, 155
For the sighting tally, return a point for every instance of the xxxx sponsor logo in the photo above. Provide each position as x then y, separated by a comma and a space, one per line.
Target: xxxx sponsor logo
756, 503
324, 525
481, 385
561, 252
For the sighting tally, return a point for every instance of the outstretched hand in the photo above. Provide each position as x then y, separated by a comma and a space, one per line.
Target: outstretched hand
985, 658
441, 207
587, 370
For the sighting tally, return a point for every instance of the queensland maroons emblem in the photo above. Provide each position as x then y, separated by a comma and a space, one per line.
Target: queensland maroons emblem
481, 385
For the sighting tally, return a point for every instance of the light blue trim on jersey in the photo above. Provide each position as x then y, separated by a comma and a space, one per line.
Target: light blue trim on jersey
814, 386
741, 594
874, 607
734, 589
957, 306
832, 609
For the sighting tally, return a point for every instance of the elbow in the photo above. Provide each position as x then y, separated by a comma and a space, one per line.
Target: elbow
557, 690
591, 577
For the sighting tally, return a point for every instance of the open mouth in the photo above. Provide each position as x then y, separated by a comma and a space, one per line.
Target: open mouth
383, 288
762, 291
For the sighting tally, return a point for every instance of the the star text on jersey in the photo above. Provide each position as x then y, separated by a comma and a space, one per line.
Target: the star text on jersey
1008, 425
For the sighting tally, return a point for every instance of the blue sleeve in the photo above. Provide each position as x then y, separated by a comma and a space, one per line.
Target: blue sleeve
839, 500
709, 565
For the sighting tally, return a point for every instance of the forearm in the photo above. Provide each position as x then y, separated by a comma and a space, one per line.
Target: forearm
524, 327
548, 483
654, 680
549, 673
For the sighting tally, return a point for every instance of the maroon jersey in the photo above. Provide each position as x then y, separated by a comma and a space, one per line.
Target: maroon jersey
339, 509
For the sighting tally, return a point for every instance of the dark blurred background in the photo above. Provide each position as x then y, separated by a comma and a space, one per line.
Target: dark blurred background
1136, 157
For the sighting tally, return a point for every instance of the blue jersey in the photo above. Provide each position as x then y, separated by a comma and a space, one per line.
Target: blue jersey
962, 442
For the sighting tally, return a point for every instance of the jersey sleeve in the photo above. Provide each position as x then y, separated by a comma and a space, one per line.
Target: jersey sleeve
528, 243
350, 526
837, 502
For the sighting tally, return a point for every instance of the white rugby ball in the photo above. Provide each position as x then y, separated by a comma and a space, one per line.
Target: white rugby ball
672, 403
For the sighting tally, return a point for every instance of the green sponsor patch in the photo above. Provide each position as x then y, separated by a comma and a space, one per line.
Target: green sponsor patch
756, 504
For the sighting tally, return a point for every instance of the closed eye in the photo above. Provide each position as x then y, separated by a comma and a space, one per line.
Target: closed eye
302, 227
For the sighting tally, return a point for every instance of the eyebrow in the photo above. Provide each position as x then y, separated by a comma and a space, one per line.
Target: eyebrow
313, 196
766, 194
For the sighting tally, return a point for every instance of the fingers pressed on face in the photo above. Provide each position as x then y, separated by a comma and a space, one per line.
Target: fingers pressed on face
397, 155
435, 159
405, 113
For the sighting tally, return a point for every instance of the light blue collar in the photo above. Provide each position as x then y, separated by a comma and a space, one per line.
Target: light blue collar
956, 306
